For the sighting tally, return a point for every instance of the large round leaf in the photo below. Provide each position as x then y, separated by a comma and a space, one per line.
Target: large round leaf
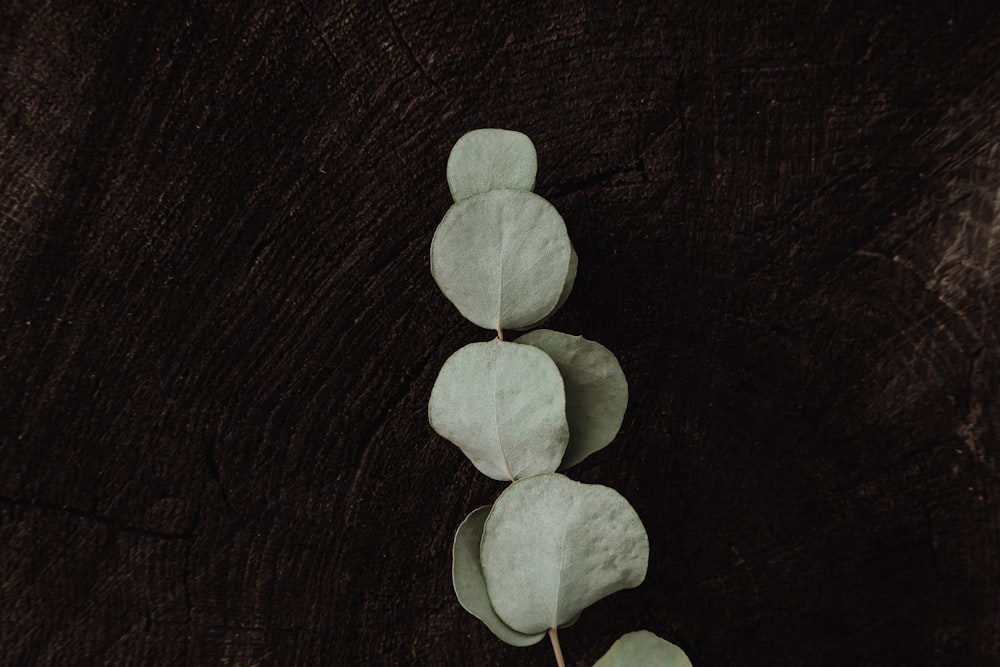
502, 257
470, 587
643, 649
490, 159
596, 390
504, 405
552, 547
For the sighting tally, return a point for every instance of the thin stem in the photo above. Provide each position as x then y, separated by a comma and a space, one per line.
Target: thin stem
554, 636
499, 331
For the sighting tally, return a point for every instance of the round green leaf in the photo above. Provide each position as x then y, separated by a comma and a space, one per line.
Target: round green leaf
470, 587
491, 159
504, 405
502, 257
552, 547
596, 390
643, 649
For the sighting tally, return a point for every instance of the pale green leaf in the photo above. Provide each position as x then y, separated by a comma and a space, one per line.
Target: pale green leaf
552, 547
643, 649
491, 159
504, 405
502, 257
470, 587
596, 390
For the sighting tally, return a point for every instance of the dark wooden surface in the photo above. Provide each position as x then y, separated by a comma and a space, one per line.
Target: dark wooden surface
218, 331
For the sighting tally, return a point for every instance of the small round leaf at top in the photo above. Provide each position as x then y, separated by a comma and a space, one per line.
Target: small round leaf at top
491, 159
502, 258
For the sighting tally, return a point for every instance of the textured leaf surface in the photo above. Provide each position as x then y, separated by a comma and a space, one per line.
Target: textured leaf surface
502, 257
552, 547
643, 649
504, 405
470, 587
596, 390
491, 159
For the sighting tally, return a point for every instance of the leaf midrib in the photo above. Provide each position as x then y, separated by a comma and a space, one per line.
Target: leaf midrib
496, 417
500, 227
562, 559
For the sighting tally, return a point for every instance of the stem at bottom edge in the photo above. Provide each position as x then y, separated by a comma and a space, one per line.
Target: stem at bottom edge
554, 637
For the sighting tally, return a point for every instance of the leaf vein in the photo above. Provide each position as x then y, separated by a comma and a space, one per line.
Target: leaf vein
496, 419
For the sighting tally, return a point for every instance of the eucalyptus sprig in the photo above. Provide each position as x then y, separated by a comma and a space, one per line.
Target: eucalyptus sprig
548, 547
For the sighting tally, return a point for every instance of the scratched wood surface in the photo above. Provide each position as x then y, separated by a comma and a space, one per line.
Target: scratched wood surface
218, 330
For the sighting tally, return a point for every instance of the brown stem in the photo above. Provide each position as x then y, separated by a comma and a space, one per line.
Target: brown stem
554, 636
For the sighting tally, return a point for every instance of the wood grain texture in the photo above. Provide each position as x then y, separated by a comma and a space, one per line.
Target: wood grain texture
218, 330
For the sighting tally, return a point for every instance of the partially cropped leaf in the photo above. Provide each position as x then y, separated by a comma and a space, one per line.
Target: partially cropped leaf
490, 159
643, 649
502, 257
596, 390
552, 547
470, 587
504, 405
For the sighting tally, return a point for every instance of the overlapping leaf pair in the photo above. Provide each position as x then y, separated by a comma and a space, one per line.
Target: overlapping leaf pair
549, 546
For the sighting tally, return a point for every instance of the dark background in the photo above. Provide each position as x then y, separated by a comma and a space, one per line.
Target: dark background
218, 329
